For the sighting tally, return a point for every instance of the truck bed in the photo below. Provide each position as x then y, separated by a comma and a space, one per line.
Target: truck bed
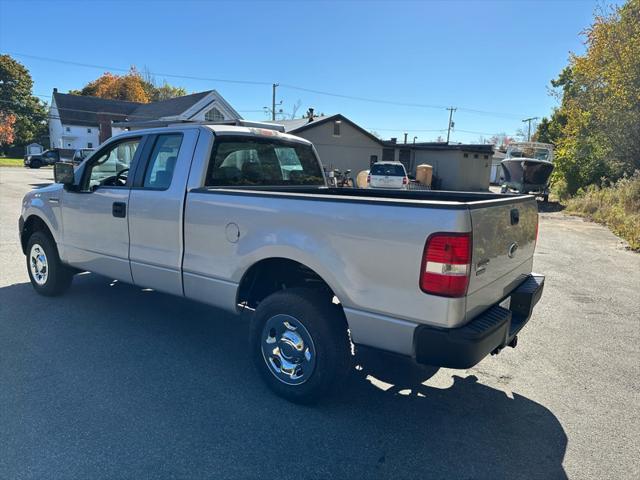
416, 198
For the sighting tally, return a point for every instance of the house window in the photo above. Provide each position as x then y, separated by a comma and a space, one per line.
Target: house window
466, 155
475, 155
89, 145
486, 157
88, 130
214, 115
336, 128
67, 129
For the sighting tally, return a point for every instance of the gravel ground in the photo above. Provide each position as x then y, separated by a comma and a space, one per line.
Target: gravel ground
110, 381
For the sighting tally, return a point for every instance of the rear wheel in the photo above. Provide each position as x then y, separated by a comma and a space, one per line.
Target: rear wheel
300, 344
35, 164
48, 275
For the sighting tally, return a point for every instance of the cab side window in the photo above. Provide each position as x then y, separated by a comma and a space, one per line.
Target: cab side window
111, 167
162, 162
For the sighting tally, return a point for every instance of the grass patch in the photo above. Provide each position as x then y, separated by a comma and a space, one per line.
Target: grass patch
616, 206
11, 162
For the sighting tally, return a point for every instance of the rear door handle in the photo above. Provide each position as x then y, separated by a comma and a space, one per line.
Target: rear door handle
119, 209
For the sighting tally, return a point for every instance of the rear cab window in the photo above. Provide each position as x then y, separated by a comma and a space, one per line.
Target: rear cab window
255, 161
388, 170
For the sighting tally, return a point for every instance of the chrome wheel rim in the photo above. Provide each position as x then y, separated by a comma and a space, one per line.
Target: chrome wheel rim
38, 264
288, 349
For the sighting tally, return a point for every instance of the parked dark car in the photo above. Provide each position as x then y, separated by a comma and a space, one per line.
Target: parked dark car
48, 157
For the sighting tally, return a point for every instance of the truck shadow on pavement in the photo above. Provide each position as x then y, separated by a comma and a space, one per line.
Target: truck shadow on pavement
113, 381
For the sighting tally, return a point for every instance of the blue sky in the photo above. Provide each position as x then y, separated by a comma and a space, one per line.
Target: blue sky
493, 56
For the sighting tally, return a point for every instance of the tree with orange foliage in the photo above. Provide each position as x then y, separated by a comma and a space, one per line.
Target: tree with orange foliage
133, 87
7, 120
129, 87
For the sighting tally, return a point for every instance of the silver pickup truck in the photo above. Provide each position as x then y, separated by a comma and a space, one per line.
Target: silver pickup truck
240, 217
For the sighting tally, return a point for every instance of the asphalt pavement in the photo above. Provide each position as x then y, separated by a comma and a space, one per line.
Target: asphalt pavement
110, 381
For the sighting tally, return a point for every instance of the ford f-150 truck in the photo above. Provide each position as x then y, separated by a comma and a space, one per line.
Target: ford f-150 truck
240, 217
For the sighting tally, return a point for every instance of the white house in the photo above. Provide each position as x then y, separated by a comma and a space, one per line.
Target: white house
77, 121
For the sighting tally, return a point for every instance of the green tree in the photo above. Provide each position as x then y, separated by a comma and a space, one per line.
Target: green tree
166, 91
550, 129
158, 92
17, 100
597, 125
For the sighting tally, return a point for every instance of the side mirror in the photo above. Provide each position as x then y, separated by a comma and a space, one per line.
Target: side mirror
63, 173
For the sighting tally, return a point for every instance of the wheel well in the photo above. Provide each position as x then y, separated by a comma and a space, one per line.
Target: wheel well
33, 224
273, 274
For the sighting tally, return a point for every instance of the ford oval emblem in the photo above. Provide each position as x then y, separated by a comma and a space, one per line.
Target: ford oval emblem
512, 249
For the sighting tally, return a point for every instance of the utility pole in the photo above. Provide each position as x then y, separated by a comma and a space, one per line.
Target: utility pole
273, 101
529, 120
451, 110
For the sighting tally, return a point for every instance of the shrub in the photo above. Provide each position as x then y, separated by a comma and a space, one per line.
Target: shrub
616, 205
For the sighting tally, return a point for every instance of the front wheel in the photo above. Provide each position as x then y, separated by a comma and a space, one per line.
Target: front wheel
300, 344
48, 275
35, 164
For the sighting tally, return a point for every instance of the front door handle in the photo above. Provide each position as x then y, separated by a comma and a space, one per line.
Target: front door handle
119, 209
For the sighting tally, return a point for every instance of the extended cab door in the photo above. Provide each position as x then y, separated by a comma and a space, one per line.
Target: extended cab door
95, 215
156, 210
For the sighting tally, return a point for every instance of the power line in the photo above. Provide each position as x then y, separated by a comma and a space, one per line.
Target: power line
120, 69
399, 129
407, 129
511, 116
362, 99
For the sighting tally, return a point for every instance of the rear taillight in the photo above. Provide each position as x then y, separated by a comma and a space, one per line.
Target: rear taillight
446, 264
405, 180
368, 178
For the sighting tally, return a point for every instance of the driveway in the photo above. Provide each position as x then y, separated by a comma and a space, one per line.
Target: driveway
110, 381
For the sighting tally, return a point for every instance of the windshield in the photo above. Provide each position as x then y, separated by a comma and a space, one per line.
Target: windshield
388, 170
253, 161
530, 151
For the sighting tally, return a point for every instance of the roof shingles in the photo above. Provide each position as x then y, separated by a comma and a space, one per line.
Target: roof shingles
84, 110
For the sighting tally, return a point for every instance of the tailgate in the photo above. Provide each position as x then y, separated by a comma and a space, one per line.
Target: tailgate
504, 236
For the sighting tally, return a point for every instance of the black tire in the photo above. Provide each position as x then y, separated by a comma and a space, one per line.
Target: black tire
327, 327
58, 276
35, 164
